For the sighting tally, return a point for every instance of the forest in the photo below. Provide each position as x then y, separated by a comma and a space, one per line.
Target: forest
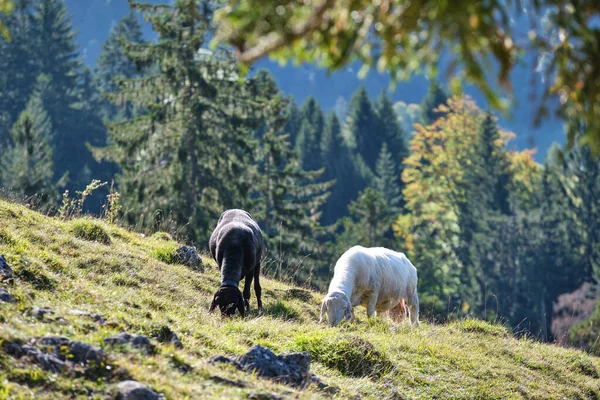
165, 134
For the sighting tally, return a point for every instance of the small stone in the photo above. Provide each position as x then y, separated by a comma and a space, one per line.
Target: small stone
189, 256
5, 296
40, 312
263, 396
96, 317
52, 341
223, 359
84, 353
137, 341
165, 335
291, 369
132, 390
5, 271
324, 387
49, 362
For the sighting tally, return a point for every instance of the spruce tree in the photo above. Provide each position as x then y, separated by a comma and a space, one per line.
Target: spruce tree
339, 166
308, 141
65, 93
26, 167
369, 223
18, 66
290, 197
387, 180
294, 120
393, 134
191, 156
433, 99
495, 174
364, 131
113, 63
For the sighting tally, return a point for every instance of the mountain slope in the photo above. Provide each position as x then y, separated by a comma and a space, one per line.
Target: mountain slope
88, 265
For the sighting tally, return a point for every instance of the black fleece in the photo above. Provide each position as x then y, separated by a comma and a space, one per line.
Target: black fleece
237, 245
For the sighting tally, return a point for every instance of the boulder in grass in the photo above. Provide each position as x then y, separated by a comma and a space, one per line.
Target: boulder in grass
137, 341
132, 390
291, 369
5, 271
189, 256
5, 295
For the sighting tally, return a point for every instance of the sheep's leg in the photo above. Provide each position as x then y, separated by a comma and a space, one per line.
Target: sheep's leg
247, 285
371, 306
398, 313
413, 305
257, 288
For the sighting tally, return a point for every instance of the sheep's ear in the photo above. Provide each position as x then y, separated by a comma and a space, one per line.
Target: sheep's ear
213, 305
323, 310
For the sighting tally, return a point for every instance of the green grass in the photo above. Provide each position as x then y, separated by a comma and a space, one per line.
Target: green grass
130, 281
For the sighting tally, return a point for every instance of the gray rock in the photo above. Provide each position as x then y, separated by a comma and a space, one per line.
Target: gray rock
85, 353
132, 390
41, 312
189, 256
324, 387
5, 295
138, 341
46, 353
5, 271
263, 396
292, 369
96, 317
165, 335
52, 341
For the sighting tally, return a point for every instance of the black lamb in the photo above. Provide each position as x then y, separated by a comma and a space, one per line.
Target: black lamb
236, 244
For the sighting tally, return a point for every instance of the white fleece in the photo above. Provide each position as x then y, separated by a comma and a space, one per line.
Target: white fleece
377, 278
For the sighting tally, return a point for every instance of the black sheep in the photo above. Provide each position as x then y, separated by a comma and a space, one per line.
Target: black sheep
236, 244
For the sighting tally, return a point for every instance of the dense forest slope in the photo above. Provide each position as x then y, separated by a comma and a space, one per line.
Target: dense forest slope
88, 265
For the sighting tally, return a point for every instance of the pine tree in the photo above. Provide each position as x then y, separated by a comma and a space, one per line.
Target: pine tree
370, 221
364, 131
191, 155
26, 167
308, 141
394, 136
113, 63
290, 197
294, 121
64, 93
434, 97
339, 166
18, 66
495, 174
387, 180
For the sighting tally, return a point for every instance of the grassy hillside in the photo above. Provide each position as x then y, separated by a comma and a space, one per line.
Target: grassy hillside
88, 265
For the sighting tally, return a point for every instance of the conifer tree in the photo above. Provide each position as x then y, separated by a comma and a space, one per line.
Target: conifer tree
113, 63
18, 67
387, 179
308, 141
290, 197
394, 136
26, 167
364, 132
339, 166
494, 167
370, 221
294, 120
432, 100
66, 89
192, 155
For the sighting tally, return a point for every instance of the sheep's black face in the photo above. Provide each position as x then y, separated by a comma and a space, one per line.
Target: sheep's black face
228, 298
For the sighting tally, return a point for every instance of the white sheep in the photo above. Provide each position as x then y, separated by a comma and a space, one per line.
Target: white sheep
378, 278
